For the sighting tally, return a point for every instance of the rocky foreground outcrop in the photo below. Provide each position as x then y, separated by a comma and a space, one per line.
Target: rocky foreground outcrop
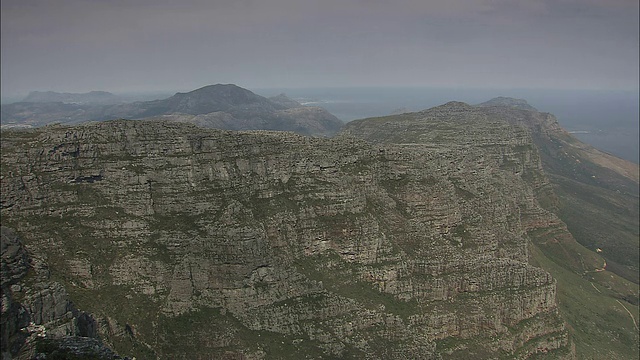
38, 319
198, 243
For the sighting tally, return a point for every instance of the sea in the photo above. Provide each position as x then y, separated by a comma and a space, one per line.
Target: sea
605, 119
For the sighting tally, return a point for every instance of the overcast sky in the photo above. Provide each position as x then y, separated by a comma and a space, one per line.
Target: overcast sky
151, 45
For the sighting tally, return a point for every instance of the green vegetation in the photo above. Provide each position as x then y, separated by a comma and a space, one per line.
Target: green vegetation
53, 350
124, 306
600, 207
198, 330
341, 278
600, 325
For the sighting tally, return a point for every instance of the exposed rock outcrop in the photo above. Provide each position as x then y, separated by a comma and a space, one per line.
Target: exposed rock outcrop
38, 318
249, 245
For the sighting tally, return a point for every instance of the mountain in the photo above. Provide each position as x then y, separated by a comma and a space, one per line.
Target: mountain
598, 192
37, 314
508, 102
208, 99
184, 242
441, 234
592, 246
92, 97
223, 106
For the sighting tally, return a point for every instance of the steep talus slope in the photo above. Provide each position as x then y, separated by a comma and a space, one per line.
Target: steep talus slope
597, 200
206, 243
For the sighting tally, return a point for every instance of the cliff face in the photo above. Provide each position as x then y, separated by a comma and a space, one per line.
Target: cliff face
598, 193
587, 238
38, 318
263, 245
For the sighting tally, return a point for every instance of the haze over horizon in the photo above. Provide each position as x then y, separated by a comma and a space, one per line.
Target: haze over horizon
160, 45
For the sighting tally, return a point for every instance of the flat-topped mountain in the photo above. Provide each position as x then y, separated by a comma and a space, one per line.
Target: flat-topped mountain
442, 234
184, 242
222, 106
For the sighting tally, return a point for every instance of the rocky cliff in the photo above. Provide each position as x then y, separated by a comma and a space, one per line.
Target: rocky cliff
195, 243
588, 238
38, 319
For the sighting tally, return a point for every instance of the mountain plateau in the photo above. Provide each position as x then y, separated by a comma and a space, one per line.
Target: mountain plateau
442, 234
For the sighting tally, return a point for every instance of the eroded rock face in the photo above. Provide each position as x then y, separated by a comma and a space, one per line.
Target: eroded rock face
256, 244
36, 310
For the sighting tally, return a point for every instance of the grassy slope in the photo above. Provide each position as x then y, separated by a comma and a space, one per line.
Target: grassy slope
599, 205
598, 201
600, 324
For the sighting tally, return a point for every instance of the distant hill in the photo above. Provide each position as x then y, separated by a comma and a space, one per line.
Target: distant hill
508, 102
208, 99
222, 106
92, 97
231, 107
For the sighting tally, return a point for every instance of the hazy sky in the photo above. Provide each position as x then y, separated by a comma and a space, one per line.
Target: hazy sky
141, 45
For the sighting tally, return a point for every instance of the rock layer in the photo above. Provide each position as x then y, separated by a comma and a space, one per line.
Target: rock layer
258, 244
38, 318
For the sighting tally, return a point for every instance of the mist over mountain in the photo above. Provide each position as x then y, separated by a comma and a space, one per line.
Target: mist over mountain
93, 97
607, 120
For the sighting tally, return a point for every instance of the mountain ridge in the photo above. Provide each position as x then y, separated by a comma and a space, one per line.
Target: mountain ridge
224, 106
593, 193
247, 242
434, 233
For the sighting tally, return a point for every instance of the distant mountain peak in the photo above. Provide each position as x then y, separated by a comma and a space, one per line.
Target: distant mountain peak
211, 98
221, 90
217, 87
508, 102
